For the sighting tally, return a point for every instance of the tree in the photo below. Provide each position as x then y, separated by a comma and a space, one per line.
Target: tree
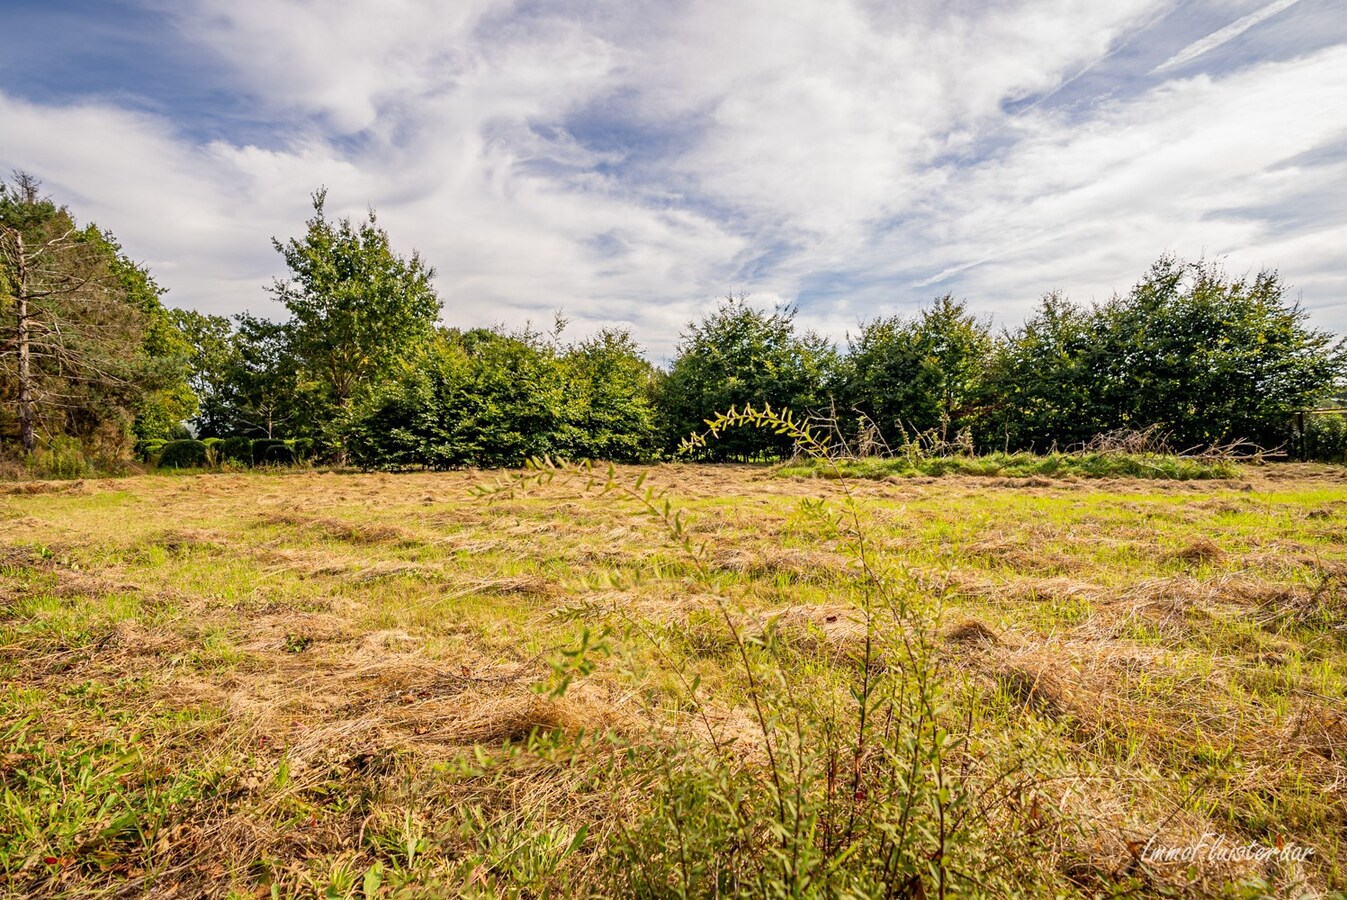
736, 356
612, 390
1210, 358
495, 398
263, 385
920, 374
93, 352
1045, 379
1206, 358
210, 359
357, 309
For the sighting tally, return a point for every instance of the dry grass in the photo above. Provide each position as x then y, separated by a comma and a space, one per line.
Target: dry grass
299, 680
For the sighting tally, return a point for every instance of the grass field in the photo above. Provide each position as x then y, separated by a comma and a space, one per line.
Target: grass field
344, 685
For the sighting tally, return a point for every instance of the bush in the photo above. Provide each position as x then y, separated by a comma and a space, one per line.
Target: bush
150, 449
62, 458
738, 355
183, 455
261, 447
237, 449
272, 452
303, 448
1325, 437
492, 398
212, 441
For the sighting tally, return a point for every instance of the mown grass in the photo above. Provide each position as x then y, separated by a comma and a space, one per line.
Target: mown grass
1022, 465
340, 685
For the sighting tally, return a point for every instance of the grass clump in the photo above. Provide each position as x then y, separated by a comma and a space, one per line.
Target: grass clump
1019, 465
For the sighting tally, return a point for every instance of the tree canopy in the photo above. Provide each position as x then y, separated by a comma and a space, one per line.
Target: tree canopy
359, 363
93, 354
739, 355
357, 309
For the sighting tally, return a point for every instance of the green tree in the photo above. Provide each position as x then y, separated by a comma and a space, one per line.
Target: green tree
357, 308
1045, 379
93, 353
210, 360
919, 374
264, 391
1206, 358
494, 398
611, 390
735, 356
1212, 359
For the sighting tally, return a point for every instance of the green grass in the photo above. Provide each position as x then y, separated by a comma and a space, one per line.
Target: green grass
347, 685
1022, 465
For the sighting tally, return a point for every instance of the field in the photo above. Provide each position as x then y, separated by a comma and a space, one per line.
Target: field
323, 684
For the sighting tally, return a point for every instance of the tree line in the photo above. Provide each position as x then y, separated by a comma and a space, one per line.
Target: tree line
361, 371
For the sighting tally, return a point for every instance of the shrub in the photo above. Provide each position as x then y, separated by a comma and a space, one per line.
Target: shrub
62, 458
1207, 358
1325, 437
183, 455
272, 452
151, 448
303, 449
212, 441
491, 398
261, 447
237, 449
738, 355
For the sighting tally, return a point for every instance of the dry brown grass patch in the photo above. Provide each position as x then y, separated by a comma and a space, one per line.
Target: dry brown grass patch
1199, 551
972, 632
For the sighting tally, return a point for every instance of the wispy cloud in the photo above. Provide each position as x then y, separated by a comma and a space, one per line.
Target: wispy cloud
632, 161
1223, 36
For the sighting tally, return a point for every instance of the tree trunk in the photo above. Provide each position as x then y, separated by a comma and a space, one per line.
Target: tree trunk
23, 336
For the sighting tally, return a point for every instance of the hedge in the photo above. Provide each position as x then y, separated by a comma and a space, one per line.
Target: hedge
183, 455
237, 449
272, 452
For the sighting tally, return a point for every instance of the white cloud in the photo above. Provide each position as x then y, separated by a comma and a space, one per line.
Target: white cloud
1193, 167
755, 145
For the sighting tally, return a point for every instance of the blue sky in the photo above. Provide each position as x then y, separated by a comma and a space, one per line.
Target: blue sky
630, 162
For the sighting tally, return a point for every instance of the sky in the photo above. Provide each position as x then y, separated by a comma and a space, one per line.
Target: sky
631, 162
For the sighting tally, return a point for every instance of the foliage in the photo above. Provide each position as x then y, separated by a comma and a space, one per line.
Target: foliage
96, 356
1045, 379
738, 356
211, 357
61, 457
236, 449
271, 451
494, 398
1207, 358
356, 308
1324, 438
920, 374
189, 454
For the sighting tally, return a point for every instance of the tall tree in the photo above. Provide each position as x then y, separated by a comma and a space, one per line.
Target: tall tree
921, 373
93, 353
738, 355
1212, 358
1205, 357
357, 308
